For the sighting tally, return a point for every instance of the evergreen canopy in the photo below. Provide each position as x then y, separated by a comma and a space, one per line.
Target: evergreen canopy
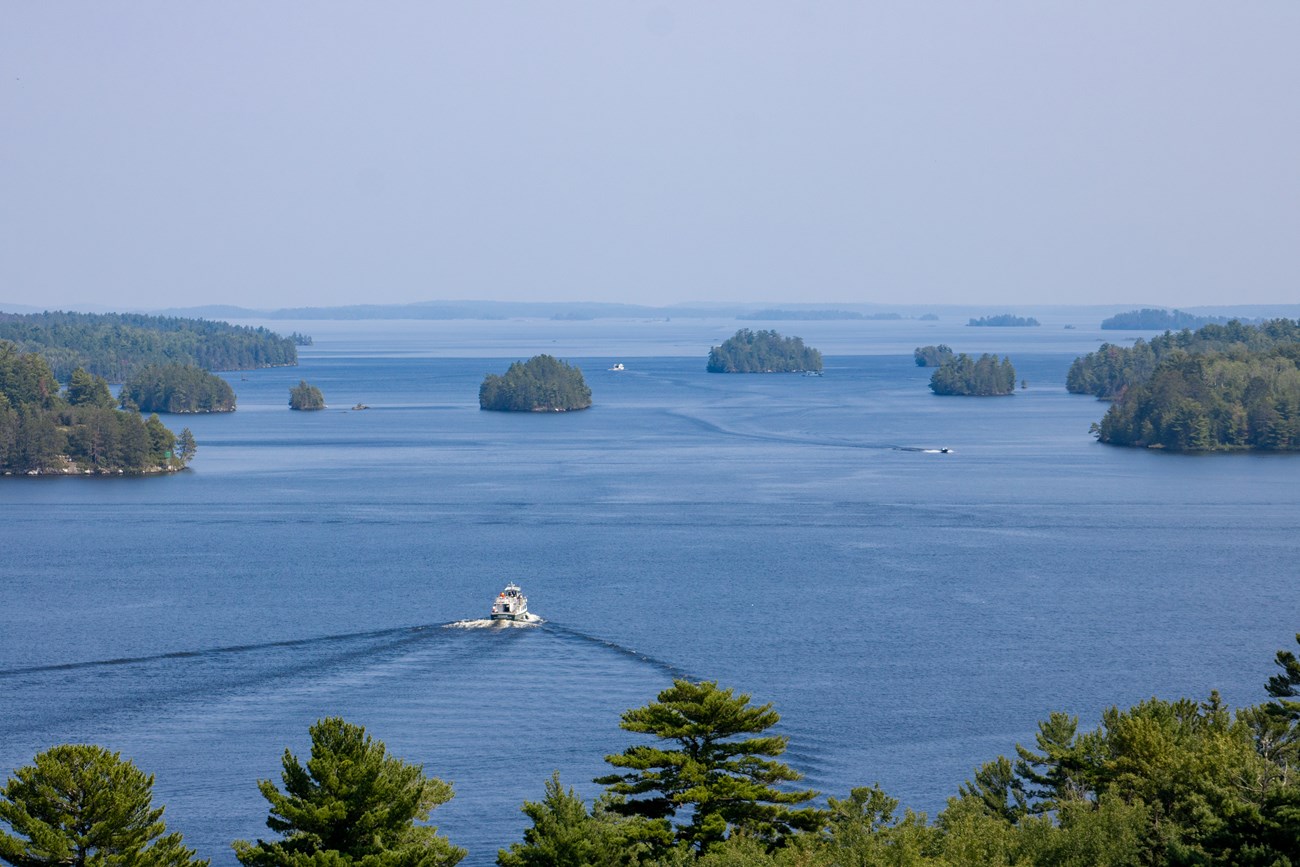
540, 384
351, 804
115, 345
81, 805
985, 377
305, 396
722, 768
749, 351
177, 388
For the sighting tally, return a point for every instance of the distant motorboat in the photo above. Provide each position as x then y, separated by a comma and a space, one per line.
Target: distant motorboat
510, 604
618, 366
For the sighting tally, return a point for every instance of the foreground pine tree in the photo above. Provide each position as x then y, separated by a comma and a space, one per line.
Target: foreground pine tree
351, 804
722, 769
81, 805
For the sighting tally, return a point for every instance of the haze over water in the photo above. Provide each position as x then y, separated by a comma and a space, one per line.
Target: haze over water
910, 614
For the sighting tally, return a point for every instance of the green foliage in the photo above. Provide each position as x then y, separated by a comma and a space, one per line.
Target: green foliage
42, 431
1005, 320
541, 384
749, 351
305, 396
350, 804
1211, 401
726, 779
85, 389
177, 388
932, 356
565, 834
116, 345
1155, 319
1111, 369
984, 377
82, 805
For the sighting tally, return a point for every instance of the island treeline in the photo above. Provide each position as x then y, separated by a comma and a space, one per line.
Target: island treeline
116, 345
1110, 369
177, 388
305, 396
932, 356
982, 377
1157, 319
540, 384
44, 429
749, 351
1004, 320
1164, 783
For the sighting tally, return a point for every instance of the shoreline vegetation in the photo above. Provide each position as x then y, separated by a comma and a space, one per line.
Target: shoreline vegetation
306, 397
46, 430
1161, 783
117, 345
1005, 320
749, 351
966, 377
177, 389
543, 383
1230, 387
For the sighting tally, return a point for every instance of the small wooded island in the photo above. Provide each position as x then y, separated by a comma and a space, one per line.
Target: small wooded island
1004, 320
932, 356
982, 377
305, 396
540, 384
177, 388
749, 351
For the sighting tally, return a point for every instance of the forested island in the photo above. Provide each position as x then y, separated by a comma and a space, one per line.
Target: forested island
932, 356
1005, 320
763, 352
982, 377
1163, 783
116, 345
177, 388
1109, 370
44, 430
1156, 319
305, 396
540, 384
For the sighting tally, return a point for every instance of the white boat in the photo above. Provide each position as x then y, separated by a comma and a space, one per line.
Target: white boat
510, 604
618, 366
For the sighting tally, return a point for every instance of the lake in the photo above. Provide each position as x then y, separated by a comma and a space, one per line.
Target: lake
910, 614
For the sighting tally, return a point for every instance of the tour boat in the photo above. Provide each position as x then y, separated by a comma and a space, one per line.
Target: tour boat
510, 604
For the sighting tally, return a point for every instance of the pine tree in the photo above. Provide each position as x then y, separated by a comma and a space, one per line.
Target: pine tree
82, 805
351, 803
725, 779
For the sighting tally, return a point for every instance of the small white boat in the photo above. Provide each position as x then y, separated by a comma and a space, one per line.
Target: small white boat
510, 604
618, 366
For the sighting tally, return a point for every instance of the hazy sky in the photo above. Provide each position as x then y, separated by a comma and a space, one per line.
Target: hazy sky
289, 153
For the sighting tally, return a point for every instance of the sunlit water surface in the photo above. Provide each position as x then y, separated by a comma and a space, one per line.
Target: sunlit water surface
911, 614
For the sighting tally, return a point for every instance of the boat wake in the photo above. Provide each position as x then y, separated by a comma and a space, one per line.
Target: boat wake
485, 623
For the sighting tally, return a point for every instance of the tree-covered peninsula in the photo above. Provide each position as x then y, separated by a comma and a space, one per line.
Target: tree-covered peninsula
540, 384
45, 430
1004, 320
1212, 401
177, 388
305, 396
982, 377
116, 345
932, 356
1157, 319
1110, 369
749, 351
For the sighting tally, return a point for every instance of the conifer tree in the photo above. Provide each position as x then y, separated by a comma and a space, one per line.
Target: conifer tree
79, 805
351, 803
726, 779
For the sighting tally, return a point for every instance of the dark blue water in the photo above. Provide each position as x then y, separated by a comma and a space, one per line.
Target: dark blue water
910, 614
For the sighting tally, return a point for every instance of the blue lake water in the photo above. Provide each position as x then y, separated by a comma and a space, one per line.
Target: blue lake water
910, 614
